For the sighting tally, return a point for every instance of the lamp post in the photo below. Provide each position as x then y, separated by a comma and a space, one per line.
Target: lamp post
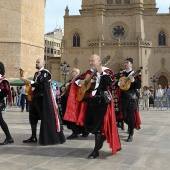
154, 81
65, 70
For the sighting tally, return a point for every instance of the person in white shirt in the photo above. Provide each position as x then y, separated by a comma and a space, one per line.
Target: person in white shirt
145, 95
159, 95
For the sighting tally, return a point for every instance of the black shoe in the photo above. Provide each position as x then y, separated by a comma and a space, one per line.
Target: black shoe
30, 140
130, 138
85, 134
118, 124
119, 149
93, 155
122, 126
7, 141
72, 136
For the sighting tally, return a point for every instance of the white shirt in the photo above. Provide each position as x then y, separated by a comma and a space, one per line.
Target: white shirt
98, 76
159, 92
23, 90
146, 93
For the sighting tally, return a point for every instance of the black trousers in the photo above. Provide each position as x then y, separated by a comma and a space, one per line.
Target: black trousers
63, 105
35, 110
95, 112
4, 126
24, 98
75, 128
128, 116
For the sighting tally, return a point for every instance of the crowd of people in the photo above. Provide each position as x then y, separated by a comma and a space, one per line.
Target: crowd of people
96, 101
150, 97
19, 98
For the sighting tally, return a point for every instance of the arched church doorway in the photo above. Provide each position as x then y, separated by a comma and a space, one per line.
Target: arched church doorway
163, 81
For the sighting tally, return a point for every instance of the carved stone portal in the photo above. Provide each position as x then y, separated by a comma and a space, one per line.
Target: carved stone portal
118, 55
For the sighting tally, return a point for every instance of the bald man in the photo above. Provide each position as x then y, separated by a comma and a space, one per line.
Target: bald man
69, 108
43, 107
74, 73
97, 114
66, 88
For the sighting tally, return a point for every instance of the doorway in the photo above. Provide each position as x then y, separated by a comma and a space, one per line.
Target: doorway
163, 81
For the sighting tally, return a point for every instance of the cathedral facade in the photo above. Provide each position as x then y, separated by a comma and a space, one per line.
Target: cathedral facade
21, 35
121, 29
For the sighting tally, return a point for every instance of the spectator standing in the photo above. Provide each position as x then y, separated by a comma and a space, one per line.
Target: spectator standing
57, 94
167, 92
145, 95
13, 95
18, 96
151, 97
159, 97
24, 98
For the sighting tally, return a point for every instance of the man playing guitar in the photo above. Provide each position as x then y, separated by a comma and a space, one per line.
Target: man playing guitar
99, 117
129, 104
67, 106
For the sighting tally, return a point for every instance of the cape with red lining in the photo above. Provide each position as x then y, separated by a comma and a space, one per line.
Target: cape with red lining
5, 85
136, 114
51, 131
75, 112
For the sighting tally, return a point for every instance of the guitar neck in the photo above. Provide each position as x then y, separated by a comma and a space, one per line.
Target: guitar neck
91, 76
104, 62
134, 74
127, 78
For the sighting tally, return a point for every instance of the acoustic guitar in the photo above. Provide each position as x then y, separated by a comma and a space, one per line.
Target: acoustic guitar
84, 91
68, 85
127, 81
28, 89
66, 90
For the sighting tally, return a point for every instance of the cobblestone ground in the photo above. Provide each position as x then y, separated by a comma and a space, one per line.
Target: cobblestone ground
149, 150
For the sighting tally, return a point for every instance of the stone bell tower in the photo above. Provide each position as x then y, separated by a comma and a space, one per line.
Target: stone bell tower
21, 35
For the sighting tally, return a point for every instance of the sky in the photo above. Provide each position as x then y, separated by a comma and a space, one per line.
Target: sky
55, 10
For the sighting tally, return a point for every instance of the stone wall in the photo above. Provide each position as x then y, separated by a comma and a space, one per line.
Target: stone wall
21, 35
140, 41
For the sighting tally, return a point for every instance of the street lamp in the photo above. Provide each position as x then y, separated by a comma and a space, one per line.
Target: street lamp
65, 69
154, 80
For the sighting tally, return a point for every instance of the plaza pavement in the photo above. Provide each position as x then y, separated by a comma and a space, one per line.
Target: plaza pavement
150, 149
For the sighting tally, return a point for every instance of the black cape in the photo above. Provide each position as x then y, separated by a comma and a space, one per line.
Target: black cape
51, 131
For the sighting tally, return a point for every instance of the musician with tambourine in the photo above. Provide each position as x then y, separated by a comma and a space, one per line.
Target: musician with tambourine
129, 82
99, 116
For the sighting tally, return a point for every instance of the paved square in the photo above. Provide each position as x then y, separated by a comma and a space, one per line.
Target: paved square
150, 149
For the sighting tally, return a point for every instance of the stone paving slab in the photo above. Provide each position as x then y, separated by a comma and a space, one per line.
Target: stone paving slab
150, 149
